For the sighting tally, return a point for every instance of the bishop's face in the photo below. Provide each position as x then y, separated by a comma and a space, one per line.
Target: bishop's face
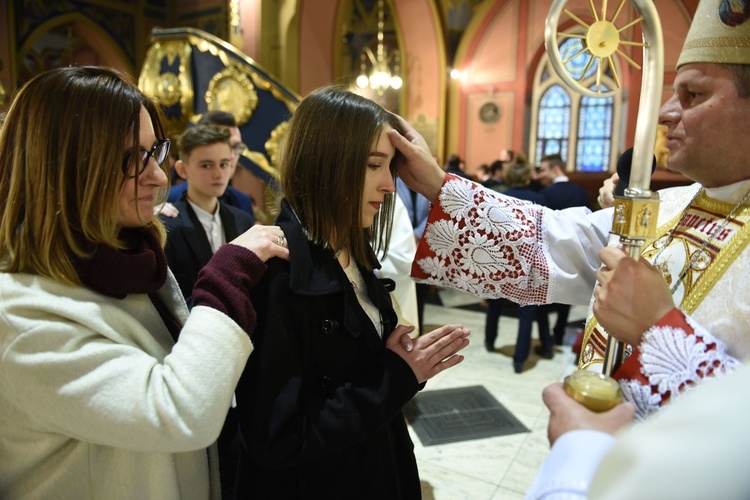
707, 125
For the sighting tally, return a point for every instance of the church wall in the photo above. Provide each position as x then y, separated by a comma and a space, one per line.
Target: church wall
317, 28
498, 57
425, 66
490, 62
498, 53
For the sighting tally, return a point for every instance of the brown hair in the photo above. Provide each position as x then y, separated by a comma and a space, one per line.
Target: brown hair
218, 117
517, 174
554, 160
201, 135
323, 167
61, 167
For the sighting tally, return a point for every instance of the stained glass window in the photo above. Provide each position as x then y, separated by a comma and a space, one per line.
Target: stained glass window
581, 129
576, 66
594, 133
554, 122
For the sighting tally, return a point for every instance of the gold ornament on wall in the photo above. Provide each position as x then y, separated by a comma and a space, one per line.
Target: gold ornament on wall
273, 144
489, 112
3, 95
232, 90
167, 89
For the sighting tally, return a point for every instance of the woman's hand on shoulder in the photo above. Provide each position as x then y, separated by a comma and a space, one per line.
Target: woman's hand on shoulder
430, 353
265, 241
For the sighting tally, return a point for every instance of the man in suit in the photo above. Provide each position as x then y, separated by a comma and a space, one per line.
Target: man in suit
560, 193
231, 196
557, 189
204, 222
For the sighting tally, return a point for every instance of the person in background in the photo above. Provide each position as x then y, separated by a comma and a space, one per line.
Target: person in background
496, 182
559, 194
558, 190
418, 208
456, 166
321, 398
204, 222
231, 196
507, 156
483, 174
518, 179
495, 306
109, 388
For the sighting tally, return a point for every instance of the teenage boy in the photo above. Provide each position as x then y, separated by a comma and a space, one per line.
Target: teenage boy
204, 222
231, 196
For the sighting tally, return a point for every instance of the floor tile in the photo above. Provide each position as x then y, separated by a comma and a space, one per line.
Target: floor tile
501, 467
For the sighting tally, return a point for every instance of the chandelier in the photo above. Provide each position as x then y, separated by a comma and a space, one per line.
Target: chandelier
380, 76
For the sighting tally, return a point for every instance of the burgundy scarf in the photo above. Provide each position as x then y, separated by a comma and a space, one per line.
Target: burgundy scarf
141, 268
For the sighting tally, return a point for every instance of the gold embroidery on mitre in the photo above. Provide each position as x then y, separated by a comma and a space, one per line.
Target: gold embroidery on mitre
719, 33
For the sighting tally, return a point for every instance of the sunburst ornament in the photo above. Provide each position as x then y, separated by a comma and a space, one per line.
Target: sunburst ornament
601, 40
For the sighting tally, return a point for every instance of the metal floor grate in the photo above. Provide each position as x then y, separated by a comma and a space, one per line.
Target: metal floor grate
451, 415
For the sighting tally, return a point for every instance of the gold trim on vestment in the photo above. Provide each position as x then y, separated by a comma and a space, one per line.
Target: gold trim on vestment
726, 256
696, 289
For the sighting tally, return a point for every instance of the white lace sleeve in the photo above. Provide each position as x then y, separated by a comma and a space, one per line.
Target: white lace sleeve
674, 358
487, 244
494, 246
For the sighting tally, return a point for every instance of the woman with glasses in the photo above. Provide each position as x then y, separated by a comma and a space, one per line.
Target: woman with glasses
320, 402
108, 389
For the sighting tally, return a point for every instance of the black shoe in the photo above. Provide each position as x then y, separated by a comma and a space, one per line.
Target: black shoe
544, 353
517, 367
489, 346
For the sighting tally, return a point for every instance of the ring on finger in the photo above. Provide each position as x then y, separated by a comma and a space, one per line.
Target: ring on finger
281, 240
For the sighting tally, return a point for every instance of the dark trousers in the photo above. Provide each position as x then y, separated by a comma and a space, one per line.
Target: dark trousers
229, 454
562, 311
526, 317
492, 317
422, 291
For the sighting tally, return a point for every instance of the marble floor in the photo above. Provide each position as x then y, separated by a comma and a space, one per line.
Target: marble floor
499, 467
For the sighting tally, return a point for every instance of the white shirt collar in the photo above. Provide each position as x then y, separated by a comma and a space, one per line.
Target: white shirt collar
212, 225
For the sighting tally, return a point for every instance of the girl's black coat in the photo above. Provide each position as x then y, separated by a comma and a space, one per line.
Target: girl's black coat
321, 398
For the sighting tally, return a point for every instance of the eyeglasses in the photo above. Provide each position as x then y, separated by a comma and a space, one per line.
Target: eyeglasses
159, 153
238, 149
